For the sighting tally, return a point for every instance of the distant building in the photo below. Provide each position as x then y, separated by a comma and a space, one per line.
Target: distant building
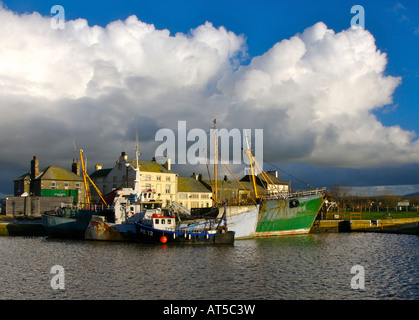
403, 204
53, 181
271, 184
193, 193
154, 178
234, 192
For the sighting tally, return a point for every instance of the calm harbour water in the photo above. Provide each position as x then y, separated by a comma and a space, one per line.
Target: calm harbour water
306, 267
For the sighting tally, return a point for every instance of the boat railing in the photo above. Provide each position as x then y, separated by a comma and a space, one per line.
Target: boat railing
86, 206
302, 193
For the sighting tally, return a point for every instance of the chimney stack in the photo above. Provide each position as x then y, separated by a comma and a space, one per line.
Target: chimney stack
169, 164
75, 167
34, 167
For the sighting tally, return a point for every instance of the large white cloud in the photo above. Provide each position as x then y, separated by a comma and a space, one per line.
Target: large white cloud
313, 94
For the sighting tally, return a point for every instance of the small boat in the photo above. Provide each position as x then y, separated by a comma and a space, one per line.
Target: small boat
162, 228
69, 222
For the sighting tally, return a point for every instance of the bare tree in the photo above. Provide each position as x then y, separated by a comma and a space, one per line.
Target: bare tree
341, 194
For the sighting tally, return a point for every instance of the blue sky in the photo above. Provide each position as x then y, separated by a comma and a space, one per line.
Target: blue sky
393, 24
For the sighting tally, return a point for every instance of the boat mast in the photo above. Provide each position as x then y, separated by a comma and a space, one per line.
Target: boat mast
250, 155
137, 182
215, 161
86, 187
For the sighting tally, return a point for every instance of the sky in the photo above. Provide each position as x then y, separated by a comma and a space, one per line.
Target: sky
338, 104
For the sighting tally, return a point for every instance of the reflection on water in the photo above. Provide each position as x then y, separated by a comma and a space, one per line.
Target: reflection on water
314, 266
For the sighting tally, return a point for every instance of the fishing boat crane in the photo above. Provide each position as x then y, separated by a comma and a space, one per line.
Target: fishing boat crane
87, 179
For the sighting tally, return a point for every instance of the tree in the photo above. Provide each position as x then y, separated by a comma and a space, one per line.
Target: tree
341, 194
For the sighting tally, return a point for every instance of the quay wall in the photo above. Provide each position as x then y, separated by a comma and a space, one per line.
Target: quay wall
406, 225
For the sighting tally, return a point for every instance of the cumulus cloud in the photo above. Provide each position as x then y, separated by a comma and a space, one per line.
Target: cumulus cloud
313, 94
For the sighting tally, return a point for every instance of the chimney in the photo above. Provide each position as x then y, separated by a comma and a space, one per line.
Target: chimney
75, 167
34, 167
169, 164
124, 156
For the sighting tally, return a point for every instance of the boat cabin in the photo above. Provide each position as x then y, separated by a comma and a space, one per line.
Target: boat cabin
162, 222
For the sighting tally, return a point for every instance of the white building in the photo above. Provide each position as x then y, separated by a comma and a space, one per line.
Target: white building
154, 178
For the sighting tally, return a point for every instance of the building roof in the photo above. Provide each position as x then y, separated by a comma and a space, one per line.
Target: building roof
53, 173
58, 173
100, 173
190, 184
25, 176
234, 185
261, 180
149, 166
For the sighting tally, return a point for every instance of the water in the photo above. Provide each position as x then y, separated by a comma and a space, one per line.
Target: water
306, 267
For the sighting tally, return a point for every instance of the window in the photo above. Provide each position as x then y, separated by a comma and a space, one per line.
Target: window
158, 178
53, 185
194, 196
167, 178
169, 221
147, 178
163, 221
114, 178
167, 188
156, 221
204, 196
233, 193
77, 185
66, 185
182, 195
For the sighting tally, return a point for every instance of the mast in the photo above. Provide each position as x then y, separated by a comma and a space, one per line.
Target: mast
86, 186
137, 182
86, 178
215, 161
250, 155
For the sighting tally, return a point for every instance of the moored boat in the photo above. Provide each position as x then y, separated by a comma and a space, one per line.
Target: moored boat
163, 229
67, 222
290, 215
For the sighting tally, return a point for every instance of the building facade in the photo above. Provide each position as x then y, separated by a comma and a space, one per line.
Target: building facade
193, 193
154, 178
53, 181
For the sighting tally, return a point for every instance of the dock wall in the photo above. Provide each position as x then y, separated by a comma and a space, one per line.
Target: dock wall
407, 225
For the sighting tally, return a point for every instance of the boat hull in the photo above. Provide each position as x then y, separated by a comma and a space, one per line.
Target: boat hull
100, 230
282, 217
243, 220
67, 227
147, 234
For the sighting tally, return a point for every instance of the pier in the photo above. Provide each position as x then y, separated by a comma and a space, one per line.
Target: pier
23, 228
402, 226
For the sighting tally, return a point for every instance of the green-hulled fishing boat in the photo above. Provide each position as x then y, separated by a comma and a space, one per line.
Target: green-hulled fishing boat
284, 213
291, 215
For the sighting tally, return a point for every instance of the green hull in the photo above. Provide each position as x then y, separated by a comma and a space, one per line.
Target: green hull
283, 216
